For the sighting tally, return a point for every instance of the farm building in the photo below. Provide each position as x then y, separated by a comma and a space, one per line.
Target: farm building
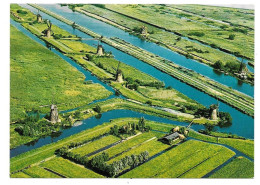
169, 138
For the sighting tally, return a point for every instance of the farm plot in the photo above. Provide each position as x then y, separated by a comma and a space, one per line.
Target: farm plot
69, 169
126, 145
152, 146
20, 175
95, 145
238, 168
39, 172
175, 162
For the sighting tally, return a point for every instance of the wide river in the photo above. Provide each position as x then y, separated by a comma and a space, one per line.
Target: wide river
243, 125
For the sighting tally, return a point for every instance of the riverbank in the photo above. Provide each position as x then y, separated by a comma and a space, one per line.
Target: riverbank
226, 97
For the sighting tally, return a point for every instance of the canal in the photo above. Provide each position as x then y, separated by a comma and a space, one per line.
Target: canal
111, 31
88, 123
243, 125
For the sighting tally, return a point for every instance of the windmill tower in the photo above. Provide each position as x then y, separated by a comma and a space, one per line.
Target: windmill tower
144, 30
119, 74
39, 17
48, 31
100, 49
214, 111
54, 115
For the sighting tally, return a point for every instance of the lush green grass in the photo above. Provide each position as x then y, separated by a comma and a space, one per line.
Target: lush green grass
95, 145
232, 15
244, 146
38, 76
208, 53
39, 172
177, 161
16, 139
167, 18
240, 167
145, 12
210, 164
20, 175
36, 155
78, 46
26, 17
69, 169
39, 154
110, 65
151, 145
135, 140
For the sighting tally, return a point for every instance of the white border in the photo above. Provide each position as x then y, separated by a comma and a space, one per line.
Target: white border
5, 80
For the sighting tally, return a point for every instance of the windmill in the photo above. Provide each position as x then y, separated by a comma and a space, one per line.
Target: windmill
100, 49
214, 110
48, 31
119, 74
54, 113
39, 17
144, 31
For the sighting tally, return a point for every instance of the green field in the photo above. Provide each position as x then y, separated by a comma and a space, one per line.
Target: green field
38, 76
39, 172
178, 161
69, 169
167, 18
208, 55
152, 146
240, 167
95, 145
20, 175
194, 158
232, 15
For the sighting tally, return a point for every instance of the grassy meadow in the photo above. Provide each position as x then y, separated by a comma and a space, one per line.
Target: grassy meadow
240, 167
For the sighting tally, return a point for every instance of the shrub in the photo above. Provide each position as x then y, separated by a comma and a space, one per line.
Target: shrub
22, 12
218, 65
231, 37
97, 109
198, 34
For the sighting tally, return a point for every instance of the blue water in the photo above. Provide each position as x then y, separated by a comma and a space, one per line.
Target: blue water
111, 31
242, 125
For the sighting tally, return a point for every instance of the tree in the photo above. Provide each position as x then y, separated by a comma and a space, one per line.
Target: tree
97, 109
141, 124
218, 65
231, 36
208, 128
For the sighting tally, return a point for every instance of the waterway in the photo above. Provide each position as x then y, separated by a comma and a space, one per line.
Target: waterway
111, 31
243, 125
88, 123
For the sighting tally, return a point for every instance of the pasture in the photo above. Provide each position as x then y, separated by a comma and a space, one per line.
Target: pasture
179, 160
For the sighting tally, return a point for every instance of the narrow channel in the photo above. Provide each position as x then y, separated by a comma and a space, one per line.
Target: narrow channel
242, 125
